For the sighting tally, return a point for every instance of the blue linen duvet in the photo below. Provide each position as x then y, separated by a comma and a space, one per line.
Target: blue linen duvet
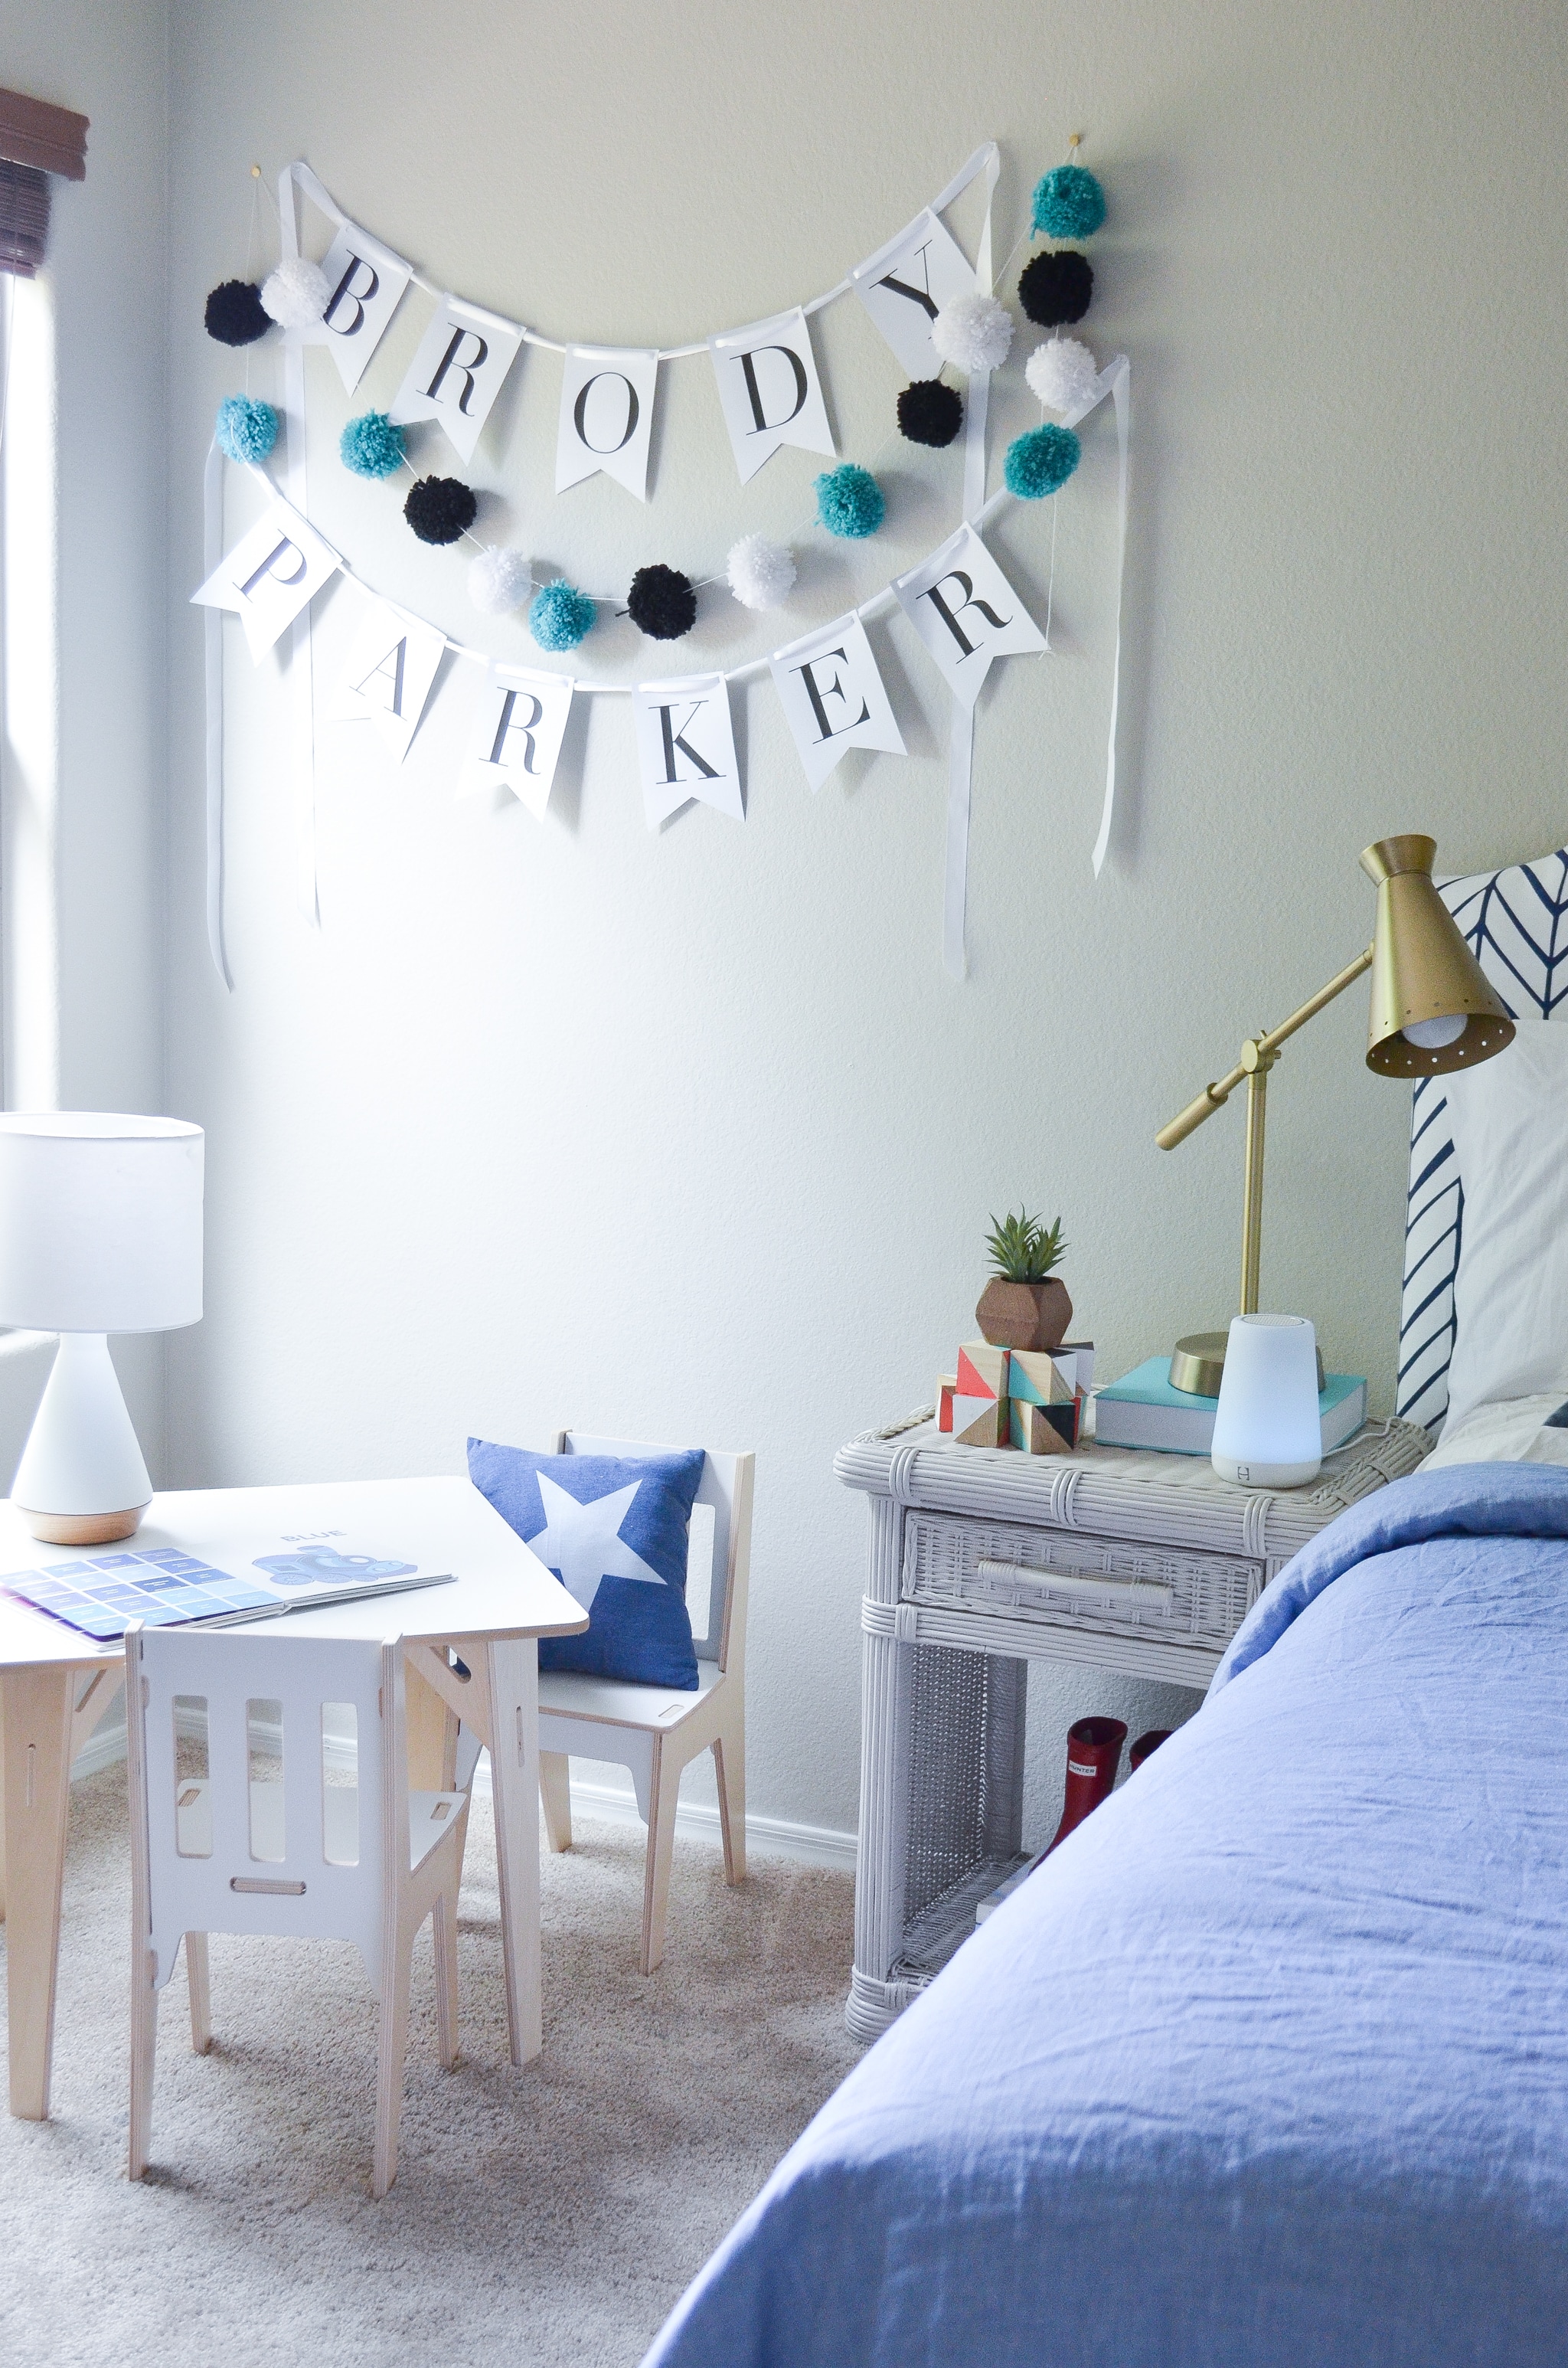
1269, 2066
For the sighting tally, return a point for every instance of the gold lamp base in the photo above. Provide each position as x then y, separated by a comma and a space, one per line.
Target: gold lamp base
1199, 1359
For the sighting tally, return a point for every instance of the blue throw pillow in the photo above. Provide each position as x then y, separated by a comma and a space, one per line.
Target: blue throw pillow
613, 1529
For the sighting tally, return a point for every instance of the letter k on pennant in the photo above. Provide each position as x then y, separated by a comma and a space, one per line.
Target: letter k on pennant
686, 747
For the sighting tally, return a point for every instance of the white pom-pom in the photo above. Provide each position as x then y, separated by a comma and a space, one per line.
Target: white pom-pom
973, 332
296, 293
762, 574
499, 580
1062, 374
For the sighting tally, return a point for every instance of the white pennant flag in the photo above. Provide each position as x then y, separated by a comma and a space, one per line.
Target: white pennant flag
458, 370
770, 391
686, 747
606, 416
391, 665
515, 739
269, 575
905, 284
834, 698
966, 612
366, 281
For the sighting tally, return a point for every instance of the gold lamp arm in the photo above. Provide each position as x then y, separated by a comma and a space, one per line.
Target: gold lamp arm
1258, 1056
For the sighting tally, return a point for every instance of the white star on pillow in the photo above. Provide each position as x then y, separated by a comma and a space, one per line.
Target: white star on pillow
582, 1543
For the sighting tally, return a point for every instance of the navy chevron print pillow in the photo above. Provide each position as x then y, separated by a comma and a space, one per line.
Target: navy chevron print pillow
1517, 925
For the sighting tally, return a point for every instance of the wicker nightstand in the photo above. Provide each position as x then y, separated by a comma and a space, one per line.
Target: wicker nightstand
982, 1561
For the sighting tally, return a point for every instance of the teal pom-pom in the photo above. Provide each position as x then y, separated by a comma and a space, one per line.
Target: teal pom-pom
1041, 462
850, 502
372, 445
559, 615
1068, 203
245, 430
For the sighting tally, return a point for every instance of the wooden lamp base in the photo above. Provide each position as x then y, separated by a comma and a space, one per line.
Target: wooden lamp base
84, 1529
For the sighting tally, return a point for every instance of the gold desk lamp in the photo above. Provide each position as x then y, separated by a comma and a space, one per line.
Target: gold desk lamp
1432, 1010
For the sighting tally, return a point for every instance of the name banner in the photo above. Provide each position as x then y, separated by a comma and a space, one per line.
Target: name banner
606, 416
270, 576
770, 391
457, 372
905, 284
833, 697
367, 280
393, 664
515, 738
966, 612
686, 747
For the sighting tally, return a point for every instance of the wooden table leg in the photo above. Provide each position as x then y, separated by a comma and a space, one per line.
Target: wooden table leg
513, 1669
36, 1707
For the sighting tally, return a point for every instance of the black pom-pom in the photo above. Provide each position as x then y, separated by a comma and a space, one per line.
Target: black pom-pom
930, 412
660, 602
440, 508
235, 316
1056, 288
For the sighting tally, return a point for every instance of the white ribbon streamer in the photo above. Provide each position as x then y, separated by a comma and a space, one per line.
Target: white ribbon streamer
300, 682
1120, 377
960, 728
212, 665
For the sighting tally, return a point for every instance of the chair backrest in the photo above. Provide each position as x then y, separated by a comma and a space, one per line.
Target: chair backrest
718, 1565
1516, 923
269, 1785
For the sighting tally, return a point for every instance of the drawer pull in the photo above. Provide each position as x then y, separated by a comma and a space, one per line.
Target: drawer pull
1082, 1583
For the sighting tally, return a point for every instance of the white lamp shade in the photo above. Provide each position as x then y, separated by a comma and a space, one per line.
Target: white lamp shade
1267, 1428
100, 1221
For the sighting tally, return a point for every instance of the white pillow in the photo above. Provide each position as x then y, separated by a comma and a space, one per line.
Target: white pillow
1510, 1123
1504, 1431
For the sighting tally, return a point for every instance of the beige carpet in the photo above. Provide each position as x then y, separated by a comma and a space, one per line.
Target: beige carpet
542, 2216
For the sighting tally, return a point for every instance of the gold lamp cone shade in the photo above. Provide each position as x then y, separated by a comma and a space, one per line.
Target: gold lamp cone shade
1423, 971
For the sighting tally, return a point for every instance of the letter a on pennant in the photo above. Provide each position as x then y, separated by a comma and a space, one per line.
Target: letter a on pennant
269, 575
833, 697
367, 280
770, 391
966, 612
392, 665
515, 739
457, 372
905, 284
606, 416
686, 747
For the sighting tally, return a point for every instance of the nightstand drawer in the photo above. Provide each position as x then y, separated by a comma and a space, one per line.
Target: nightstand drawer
1064, 1579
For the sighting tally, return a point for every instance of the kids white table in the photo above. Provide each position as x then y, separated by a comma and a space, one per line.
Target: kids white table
56, 1687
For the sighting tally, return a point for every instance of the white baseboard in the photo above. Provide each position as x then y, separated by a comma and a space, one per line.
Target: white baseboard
695, 1820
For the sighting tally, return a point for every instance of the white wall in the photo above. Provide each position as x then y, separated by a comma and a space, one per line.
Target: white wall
689, 1135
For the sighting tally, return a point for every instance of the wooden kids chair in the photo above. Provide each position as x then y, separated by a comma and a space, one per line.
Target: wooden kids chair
650, 1729
295, 1816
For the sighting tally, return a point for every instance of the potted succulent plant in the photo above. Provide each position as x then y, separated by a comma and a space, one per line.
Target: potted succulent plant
1024, 1305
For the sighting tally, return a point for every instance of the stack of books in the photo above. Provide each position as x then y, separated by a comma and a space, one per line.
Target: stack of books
1032, 1399
1142, 1410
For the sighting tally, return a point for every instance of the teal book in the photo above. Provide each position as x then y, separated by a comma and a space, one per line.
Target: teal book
1142, 1410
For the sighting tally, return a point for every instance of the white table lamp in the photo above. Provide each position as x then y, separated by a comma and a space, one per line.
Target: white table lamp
100, 1232
1267, 1428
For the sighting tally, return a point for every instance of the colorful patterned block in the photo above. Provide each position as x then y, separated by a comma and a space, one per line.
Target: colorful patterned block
1043, 1376
1036, 1430
982, 1370
946, 1384
1084, 1351
980, 1422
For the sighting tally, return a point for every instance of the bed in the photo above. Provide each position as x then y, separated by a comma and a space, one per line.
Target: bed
1252, 2071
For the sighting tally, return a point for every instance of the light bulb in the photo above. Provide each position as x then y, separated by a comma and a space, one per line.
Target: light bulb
1432, 1034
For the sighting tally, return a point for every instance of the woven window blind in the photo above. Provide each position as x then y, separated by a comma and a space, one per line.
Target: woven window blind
36, 140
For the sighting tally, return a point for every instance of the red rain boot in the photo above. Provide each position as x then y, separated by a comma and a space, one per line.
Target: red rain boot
1094, 1755
1147, 1743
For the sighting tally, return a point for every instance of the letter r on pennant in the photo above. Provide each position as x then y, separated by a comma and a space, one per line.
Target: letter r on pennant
949, 616
528, 725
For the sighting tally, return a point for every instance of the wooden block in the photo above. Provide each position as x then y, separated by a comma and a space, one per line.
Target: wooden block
1043, 1376
1034, 1429
980, 1422
982, 1370
946, 1385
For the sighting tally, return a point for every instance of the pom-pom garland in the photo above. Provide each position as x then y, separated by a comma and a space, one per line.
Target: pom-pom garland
1068, 203
973, 332
245, 430
234, 314
930, 412
497, 580
296, 293
1062, 374
660, 602
440, 509
372, 445
1040, 461
1055, 289
761, 574
560, 616
850, 502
